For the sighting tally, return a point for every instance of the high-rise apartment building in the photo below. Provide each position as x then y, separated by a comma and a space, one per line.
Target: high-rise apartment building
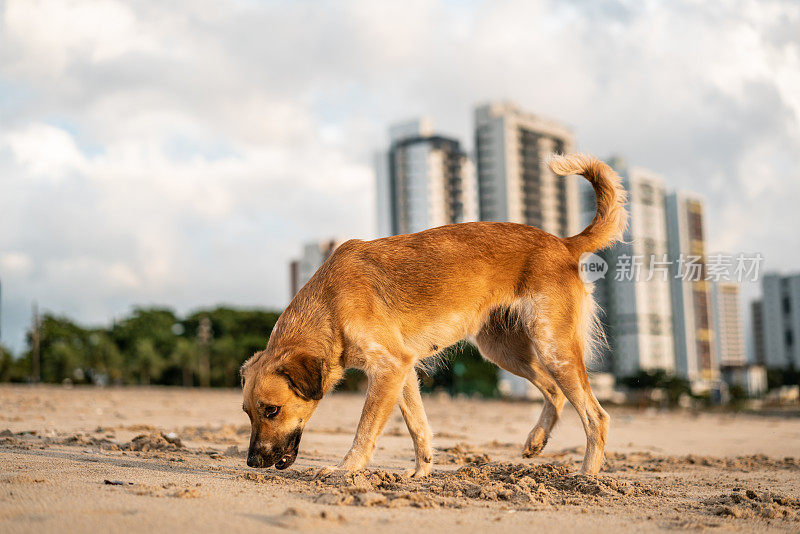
314, 255
514, 182
635, 293
692, 322
780, 312
728, 325
424, 180
729, 342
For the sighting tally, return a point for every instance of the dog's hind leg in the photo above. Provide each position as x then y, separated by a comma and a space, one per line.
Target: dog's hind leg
560, 336
414, 414
510, 347
553, 403
570, 375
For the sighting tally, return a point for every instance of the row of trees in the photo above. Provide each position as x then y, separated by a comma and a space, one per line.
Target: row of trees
151, 346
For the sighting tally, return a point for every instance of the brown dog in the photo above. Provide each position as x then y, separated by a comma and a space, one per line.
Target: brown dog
384, 305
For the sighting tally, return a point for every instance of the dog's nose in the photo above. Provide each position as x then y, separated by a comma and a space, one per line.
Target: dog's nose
253, 461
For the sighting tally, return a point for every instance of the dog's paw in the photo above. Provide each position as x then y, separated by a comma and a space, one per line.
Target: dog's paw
533, 450
418, 472
325, 472
535, 443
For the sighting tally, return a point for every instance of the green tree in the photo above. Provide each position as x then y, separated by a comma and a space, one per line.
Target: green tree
104, 357
226, 357
148, 363
62, 348
238, 334
671, 384
738, 396
6, 364
13, 369
155, 324
777, 377
62, 360
185, 358
236, 323
150, 345
461, 369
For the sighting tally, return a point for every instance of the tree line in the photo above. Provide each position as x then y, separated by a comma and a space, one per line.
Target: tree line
149, 346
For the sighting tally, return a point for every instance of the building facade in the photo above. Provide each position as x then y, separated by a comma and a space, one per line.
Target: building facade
514, 182
635, 293
424, 180
314, 255
780, 314
728, 326
695, 355
729, 342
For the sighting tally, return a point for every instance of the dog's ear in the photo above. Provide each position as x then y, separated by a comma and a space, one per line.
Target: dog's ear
305, 375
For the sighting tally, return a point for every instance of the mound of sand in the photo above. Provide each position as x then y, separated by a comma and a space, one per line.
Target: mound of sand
751, 503
155, 441
83, 440
462, 454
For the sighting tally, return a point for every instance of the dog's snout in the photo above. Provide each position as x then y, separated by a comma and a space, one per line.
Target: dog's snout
258, 458
263, 454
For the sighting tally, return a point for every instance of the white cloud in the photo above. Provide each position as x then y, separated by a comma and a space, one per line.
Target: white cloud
15, 264
45, 151
52, 32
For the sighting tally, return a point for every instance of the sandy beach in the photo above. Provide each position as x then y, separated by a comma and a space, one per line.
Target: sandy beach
169, 459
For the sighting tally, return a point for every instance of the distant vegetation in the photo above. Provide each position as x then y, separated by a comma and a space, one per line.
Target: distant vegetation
783, 377
151, 346
673, 386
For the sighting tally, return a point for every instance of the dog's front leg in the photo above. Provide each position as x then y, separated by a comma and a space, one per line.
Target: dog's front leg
383, 392
417, 423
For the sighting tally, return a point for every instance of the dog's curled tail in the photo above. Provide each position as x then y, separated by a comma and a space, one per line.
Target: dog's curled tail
611, 218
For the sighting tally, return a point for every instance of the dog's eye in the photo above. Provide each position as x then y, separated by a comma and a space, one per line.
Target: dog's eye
271, 411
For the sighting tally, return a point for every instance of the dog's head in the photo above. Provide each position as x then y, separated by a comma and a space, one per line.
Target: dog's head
279, 397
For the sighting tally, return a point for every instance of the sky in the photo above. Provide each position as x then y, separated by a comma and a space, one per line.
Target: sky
179, 153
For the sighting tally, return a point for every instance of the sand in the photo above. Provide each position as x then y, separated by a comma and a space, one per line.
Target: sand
141, 459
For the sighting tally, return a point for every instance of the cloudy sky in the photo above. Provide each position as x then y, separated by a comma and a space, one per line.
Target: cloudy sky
179, 152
